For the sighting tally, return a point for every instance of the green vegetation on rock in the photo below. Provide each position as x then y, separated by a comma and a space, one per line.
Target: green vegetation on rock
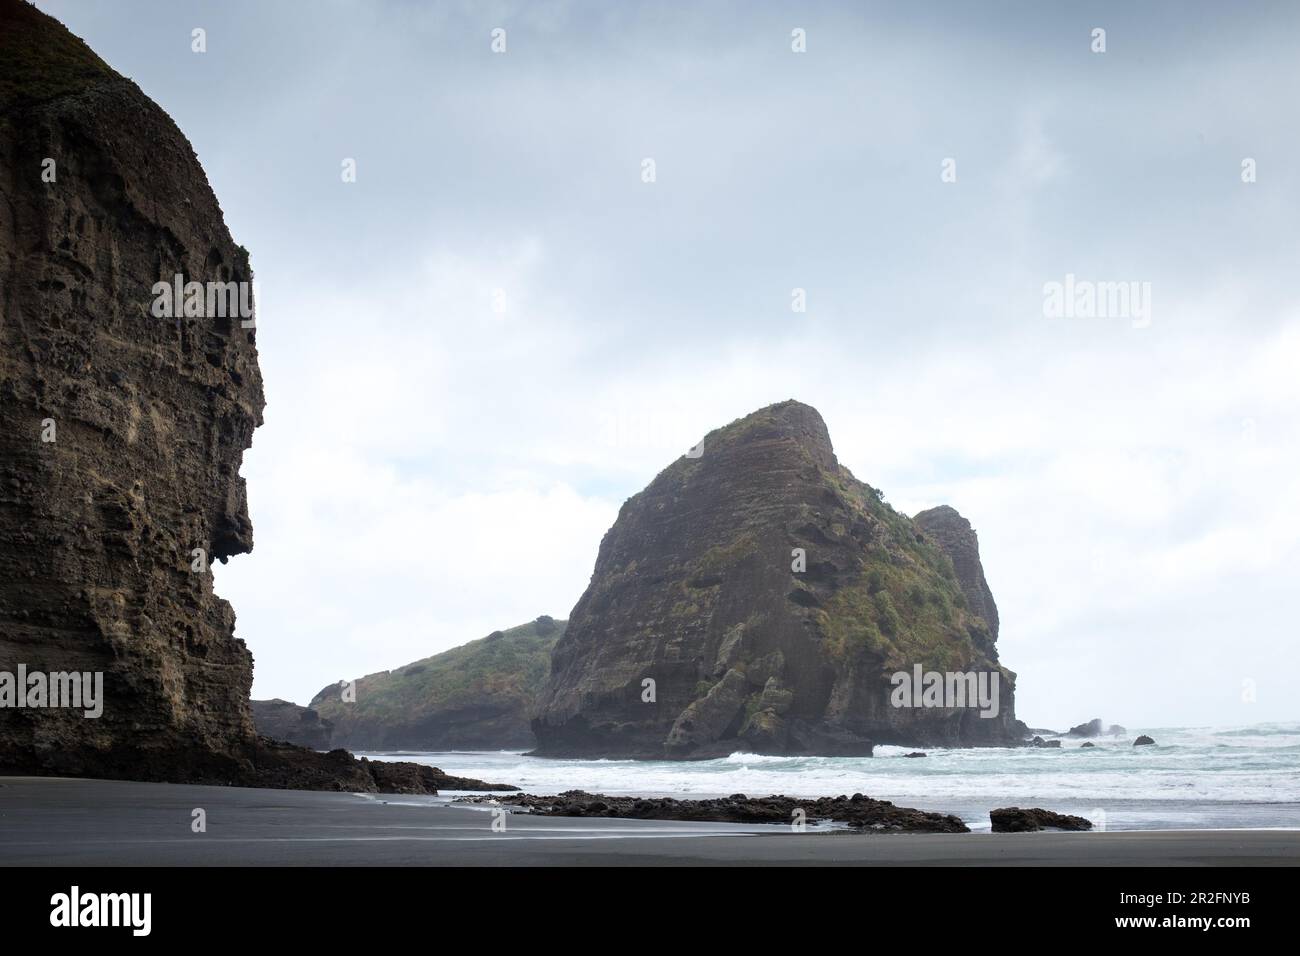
476, 696
38, 63
765, 559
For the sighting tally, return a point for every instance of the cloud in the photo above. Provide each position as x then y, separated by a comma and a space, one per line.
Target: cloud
433, 467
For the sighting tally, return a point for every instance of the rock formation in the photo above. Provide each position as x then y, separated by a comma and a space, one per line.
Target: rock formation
289, 767
124, 416
122, 433
957, 538
283, 720
758, 597
1029, 820
861, 813
1090, 729
474, 697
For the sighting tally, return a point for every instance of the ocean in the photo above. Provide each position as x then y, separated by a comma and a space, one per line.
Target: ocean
1193, 778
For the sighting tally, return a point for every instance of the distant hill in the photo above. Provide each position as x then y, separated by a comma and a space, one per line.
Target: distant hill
473, 697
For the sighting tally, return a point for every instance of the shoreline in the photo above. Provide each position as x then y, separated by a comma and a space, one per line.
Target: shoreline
47, 821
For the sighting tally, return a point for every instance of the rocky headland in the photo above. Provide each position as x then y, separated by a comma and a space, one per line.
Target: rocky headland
478, 696
122, 431
757, 596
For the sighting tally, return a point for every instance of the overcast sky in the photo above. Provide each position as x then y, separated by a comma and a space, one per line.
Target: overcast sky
433, 467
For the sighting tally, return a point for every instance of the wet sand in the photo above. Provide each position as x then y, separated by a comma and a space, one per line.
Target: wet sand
69, 822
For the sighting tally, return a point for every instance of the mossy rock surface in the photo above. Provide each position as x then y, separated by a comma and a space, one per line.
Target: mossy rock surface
473, 697
764, 558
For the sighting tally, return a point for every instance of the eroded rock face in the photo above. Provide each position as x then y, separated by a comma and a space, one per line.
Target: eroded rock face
702, 633
957, 538
121, 437
121, 434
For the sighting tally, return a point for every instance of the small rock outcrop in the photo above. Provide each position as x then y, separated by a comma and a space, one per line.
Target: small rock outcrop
285, 766
474, 697
757, 596
1143, 741
1016, 820
1091, 729
282, 720
861, 813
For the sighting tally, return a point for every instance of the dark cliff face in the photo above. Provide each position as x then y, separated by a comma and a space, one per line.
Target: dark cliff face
284, 720
957, 538
121, 437
697, 590
121, 433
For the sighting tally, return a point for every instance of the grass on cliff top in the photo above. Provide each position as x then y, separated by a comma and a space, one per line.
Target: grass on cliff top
504, 666
40, 59
907, 607
902, 616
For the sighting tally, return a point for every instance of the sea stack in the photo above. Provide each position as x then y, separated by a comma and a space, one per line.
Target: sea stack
758, 597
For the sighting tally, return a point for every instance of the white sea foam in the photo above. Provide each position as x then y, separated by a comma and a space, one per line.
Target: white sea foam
1241, 776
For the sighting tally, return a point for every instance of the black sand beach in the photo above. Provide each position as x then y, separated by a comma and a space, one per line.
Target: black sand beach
75, 822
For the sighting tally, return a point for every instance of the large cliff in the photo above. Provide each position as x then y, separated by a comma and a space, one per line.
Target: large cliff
122, 431
478, 696
759, 597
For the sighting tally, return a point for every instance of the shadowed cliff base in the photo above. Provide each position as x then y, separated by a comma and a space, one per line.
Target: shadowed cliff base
121, 436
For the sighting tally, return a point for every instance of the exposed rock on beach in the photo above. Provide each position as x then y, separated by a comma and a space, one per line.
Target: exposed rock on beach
860, 813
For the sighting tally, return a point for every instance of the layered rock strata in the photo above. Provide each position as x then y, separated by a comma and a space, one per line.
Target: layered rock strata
758, 597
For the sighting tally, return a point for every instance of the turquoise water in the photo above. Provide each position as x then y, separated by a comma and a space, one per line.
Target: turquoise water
1193, 778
